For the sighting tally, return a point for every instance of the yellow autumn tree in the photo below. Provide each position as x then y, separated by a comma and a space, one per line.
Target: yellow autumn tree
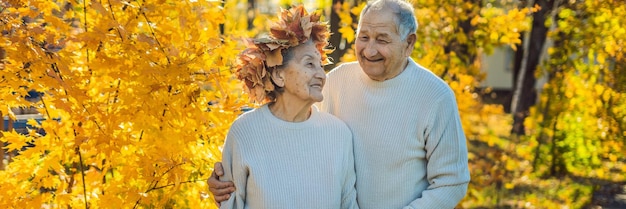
578, 127
137, 98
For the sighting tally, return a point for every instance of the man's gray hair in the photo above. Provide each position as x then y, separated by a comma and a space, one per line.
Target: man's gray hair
405, 15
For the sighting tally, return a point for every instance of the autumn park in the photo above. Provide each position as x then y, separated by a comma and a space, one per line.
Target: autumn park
126, 103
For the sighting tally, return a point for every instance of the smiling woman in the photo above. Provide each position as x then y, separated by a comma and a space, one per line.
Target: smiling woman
299, 83
287, 154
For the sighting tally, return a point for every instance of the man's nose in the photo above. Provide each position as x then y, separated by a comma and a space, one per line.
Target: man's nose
370, 49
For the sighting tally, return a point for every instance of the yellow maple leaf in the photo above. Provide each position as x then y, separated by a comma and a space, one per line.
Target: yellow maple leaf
14, 140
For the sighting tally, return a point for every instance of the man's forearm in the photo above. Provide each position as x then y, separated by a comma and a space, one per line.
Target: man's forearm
440, 198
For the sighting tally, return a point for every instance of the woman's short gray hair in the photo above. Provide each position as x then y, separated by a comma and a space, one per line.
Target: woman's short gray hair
405, 15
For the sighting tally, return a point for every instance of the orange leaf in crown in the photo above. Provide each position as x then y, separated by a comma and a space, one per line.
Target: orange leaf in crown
294, 27
251, 70
274, 58
307, 25
289, 27
267, 44
272, 50
320, 32
315, 17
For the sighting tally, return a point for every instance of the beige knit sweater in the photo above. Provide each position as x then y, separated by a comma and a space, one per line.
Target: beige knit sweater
282, 165
409, 146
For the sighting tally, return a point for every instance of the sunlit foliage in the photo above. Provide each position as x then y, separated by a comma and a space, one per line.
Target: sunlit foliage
137, 98
451, 36
579, 124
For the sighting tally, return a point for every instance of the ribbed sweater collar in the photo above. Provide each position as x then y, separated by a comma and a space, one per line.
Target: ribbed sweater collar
411, 66
265, 111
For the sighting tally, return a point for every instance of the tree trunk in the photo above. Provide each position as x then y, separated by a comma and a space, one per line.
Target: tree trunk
462, 50
524, 93
335, 38
251, 13
2, 153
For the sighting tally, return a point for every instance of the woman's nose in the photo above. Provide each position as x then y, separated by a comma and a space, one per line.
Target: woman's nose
320, 73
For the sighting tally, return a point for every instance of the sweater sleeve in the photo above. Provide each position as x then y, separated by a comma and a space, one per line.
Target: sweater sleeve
234, 171
447, 168
348, 194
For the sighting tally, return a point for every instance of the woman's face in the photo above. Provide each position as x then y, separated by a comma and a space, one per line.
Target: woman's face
303, 75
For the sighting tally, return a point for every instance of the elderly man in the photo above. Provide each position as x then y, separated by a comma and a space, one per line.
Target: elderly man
409, 147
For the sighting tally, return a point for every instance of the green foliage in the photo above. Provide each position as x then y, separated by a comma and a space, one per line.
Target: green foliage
580, 120
577, 128
139, 96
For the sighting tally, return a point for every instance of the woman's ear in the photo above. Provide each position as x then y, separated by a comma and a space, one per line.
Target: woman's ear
277, 77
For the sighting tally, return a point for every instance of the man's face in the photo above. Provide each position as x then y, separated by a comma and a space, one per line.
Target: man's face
380, 50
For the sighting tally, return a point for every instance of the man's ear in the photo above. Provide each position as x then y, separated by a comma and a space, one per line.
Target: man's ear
410, 40
277, 77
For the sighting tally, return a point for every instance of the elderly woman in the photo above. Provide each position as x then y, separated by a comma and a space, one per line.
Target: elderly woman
287, 154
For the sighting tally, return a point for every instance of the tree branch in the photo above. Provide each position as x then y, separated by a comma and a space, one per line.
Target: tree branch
155, 37
85, 24
82, 173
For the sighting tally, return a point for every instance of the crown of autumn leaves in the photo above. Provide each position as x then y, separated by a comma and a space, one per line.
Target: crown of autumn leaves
294, 27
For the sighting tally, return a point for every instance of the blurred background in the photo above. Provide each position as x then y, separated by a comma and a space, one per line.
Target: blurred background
125, 103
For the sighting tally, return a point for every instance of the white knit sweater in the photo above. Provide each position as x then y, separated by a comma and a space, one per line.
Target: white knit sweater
277, 164
409, 146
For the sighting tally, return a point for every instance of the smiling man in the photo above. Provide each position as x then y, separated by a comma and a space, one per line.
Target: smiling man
409, 147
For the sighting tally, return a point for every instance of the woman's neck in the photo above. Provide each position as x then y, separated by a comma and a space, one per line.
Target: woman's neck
290, 111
